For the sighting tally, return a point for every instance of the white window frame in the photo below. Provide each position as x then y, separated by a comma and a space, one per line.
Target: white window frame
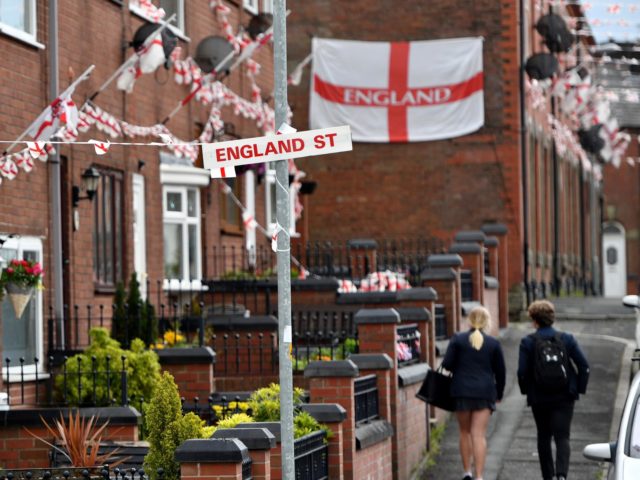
178, 29
182, 218
267, 6
31, 244
30, 36
250, 6
270, 183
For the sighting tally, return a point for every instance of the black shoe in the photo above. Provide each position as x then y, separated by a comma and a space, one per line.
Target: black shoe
562, 477
467, 477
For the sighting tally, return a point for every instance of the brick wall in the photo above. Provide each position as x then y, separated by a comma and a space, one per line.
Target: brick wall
435, 188
83, 40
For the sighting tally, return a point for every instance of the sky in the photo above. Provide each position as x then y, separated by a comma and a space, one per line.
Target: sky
613, 19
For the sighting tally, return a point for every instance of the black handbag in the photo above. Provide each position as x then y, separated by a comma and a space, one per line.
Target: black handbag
436, 390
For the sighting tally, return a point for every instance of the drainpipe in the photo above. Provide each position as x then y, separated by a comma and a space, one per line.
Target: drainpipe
595, 262
523, 155
54, 185
583, 240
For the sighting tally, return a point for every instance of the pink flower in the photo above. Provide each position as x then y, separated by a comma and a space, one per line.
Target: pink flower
15, 262
37, 269
9, 270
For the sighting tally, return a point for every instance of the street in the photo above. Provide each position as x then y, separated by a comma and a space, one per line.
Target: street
511, 436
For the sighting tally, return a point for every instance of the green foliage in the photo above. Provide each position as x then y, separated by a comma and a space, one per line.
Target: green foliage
265, 402
168, 428
142, 367
233, 420
133, 317
304, 424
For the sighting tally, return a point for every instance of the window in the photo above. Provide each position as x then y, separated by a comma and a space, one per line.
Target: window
251, 6
230, 213
170, 7
18, 19
22, 337
270, 203
181, 219
108, 230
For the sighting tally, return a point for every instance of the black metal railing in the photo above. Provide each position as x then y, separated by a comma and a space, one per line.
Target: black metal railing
441, 322
466, 285
92, 384
311, 454
69, 473
366, 398
408, 345
246, 469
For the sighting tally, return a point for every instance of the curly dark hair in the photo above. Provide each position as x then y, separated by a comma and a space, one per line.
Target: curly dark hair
542, 312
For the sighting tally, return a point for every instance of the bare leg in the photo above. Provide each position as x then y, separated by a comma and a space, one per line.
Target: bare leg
464, 424
479, 422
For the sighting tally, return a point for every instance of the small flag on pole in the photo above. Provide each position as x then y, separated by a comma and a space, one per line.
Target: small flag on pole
100, 147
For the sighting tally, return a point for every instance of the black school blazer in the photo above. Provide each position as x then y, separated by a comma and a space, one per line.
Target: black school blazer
476, 373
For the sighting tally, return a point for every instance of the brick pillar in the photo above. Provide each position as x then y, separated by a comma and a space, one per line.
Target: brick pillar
443, 266
377, 335
499, 230
362, 256
472, 259
332, 382
417, 305
259, 442
275, 452
212, 459
380, 365
491, 250
192, 370
332, 415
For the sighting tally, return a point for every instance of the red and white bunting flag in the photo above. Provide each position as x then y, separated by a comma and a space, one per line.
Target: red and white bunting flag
295, 76
248, 220
61, 109
36, 149
274, 237
224, 172
387, 92
8, 168
152, 55
100, 147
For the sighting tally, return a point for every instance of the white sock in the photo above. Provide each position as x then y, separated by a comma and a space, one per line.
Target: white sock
468, 473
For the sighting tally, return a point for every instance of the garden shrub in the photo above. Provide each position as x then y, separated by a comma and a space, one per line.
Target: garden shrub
168, 428
133, 317
265, 407
142, 367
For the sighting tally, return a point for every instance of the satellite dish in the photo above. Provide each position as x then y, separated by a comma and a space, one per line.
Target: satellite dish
169, 40
211, 51
591, 140
557, 36
259, 24
541, 66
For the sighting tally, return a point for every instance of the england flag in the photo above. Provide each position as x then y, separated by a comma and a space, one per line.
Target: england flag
398, 91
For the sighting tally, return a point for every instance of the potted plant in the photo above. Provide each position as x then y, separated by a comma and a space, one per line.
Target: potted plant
20, 279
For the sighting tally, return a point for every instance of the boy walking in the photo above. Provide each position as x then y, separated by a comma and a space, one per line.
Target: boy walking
547, 376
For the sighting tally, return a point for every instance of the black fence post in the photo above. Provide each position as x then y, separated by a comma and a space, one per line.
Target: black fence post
123, 380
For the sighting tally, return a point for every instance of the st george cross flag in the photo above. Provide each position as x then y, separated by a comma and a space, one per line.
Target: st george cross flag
398, 91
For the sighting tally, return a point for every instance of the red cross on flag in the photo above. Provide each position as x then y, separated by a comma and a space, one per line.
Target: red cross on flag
398, 91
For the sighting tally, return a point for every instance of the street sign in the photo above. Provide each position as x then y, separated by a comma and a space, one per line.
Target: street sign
277, 147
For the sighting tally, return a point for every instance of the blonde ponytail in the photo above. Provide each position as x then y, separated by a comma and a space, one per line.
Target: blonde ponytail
479, 319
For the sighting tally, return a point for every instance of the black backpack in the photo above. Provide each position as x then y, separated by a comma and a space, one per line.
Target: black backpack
551, 364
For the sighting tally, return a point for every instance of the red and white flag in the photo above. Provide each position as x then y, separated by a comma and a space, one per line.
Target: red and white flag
100, 147
61, 109
399, 91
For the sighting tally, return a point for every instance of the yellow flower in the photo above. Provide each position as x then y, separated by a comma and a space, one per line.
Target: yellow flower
171, 337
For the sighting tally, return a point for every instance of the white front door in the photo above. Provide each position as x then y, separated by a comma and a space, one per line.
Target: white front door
139, 233
615, 261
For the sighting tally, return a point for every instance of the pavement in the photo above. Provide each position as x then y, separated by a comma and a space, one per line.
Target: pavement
605, 332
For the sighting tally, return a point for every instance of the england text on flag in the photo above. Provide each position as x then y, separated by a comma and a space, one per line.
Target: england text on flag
398, 91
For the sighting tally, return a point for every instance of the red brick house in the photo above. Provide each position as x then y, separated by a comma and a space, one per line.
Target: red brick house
504, 172
153, 213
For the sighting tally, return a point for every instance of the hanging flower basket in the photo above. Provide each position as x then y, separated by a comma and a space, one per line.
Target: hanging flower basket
20, 279
19, 295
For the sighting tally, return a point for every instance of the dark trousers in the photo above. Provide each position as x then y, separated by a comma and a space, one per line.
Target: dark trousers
553, 420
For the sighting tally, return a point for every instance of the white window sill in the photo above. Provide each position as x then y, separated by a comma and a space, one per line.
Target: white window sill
175, 285
21, 36
14, 377
175, 30
183, 175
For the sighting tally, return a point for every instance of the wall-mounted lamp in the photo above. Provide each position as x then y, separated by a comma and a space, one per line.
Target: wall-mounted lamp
90, 179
